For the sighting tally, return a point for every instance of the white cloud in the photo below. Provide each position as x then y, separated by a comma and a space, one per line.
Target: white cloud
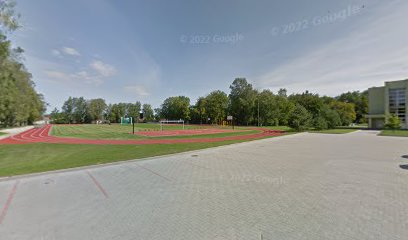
78, 77
70, 51
56, 75
56, 52
374, 52
138, 90
103, 69
65, 51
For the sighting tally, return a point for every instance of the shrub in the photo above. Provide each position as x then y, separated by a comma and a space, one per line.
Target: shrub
393, 122
320, 123
300, 119
332, 117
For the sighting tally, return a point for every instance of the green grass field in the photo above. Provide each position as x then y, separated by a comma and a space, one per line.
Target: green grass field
356, 126
280, 128
394, 133
41, 157
116, 131
335, 131
2, 133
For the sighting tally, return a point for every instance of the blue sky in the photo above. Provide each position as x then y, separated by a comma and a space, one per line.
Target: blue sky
127, 51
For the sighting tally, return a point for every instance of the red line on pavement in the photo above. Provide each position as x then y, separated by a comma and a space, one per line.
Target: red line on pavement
155, 173
8, 202
98, 185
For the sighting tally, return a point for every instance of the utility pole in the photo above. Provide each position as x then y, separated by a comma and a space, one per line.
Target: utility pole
258, 110
133, 122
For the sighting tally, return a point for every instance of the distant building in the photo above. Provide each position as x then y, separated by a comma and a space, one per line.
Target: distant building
383, 101
45, 120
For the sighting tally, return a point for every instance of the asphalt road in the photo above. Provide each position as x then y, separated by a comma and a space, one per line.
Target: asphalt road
306, 186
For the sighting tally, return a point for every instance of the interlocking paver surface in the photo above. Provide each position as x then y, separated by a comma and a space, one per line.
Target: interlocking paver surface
306, 186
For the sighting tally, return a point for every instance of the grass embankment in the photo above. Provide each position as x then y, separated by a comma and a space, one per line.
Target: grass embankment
394, 133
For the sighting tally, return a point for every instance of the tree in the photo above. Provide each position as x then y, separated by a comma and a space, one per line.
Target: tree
97, 108
198, 112
216, 104
345, 111
81, 111
393, 122
300, 119
68, 110
57, 117
133, 110
267, 108
117, 110
174, 108
242, 101
20, 104
360, 101
310, 101
76, 110
320, 123
109, 114
157, 114
331, 116
148, 114
8, 16
283, 92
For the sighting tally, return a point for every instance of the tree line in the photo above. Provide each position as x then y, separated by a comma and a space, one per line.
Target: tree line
20, 104
247, 105
80, 110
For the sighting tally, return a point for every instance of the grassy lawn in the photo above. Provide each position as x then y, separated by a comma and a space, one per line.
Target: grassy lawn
394, 133
41, 157
216, 135
356, 126
2, 133
116, 131
281, 128
335, 131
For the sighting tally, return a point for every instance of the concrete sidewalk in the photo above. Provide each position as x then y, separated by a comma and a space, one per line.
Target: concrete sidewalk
13, 131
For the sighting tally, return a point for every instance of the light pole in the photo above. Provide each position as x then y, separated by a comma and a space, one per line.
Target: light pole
258, 109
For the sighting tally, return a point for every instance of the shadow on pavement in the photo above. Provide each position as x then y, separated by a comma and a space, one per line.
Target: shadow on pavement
404, 166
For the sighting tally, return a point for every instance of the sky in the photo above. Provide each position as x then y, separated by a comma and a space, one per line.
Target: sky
128, 51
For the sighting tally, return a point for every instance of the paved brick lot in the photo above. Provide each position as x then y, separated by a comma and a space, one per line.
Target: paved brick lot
306, 186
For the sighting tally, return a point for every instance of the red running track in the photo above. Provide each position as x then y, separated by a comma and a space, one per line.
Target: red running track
41, 135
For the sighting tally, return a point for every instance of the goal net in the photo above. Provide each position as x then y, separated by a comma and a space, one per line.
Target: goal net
126, 120
164, 123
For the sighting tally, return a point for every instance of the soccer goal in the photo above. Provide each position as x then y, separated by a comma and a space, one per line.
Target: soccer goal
126, 120
170, 122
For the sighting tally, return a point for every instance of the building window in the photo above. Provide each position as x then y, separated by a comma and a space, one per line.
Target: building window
397, 102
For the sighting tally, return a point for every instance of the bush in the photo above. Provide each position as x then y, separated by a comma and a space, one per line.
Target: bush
320, 123
332, 117
393, 122
300, 119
